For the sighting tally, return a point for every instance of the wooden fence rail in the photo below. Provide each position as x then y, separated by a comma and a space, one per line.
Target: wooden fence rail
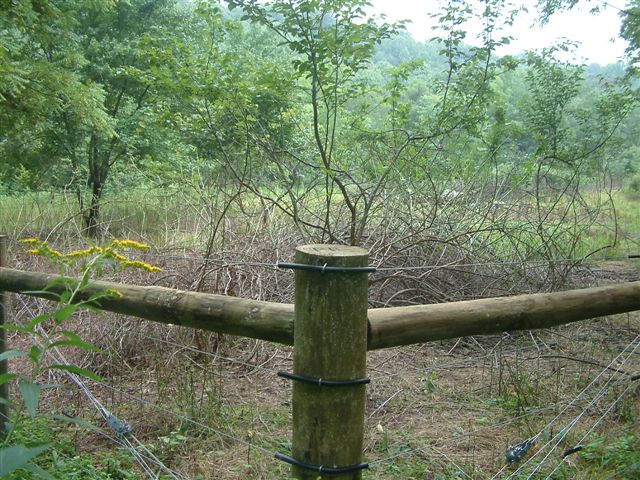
387, 327
390, 327
217, 313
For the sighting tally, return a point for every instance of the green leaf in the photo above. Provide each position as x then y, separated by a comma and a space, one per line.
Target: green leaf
38, 320
35, 354
98, 296
39, 472
11, 354
77, 421
65, 312
61, 279
84, 281
18, 328
7, 377
42, 293
75, 343
78, 371
31, 395
18, 456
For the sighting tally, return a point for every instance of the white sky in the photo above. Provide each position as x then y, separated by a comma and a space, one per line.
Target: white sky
596, 33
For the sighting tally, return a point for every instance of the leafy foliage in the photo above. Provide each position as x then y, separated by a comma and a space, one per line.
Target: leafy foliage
16, 456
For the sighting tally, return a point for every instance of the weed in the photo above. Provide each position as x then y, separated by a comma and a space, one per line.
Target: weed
620, 455
429, 383
47, 334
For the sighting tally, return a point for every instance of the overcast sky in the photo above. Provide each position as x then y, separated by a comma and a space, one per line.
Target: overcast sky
596, 33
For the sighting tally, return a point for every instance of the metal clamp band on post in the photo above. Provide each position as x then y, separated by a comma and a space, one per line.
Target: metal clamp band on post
321, 468
325, 268
572, 450
321, 382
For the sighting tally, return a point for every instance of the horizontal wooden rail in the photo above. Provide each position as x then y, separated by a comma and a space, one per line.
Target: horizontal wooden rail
218, 313
388, 327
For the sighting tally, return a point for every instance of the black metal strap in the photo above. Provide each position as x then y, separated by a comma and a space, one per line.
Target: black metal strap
325, 268
572, 450
321, 468
321, 382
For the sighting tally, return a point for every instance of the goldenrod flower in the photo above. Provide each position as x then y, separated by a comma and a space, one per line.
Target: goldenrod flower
140, 264
110, 252
51, 251
83, 253
114, 293
130, 244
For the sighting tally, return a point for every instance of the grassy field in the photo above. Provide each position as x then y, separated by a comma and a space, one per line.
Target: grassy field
212, 406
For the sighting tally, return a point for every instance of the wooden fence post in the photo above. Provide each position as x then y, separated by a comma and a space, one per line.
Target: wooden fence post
330, 343
4, 299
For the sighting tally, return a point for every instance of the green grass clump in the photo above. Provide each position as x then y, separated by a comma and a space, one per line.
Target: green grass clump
62, 460
619, 456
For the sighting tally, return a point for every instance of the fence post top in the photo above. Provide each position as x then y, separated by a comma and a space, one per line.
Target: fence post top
332, 250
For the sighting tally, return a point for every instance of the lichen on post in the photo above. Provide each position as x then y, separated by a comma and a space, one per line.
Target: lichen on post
330, 342
4, 299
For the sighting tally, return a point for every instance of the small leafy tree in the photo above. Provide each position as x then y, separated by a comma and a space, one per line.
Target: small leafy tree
332, 41
48, 333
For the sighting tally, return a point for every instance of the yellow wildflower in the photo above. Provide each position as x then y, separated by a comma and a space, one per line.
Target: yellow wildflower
109, 252
140, 264
82, 253
51, 251
130, 244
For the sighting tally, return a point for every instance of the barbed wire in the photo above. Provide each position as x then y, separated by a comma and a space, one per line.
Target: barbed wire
467, 362
273, 265
594, 426
191, 421
215, 356
61, 359
171, 412
562, 434
260, 367
379, 268
568, 407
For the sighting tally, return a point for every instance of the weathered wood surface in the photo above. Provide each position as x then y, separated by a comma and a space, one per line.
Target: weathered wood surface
388, 327
4, 388
330, 343
218, 313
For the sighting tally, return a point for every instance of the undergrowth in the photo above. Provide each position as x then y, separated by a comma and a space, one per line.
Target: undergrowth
211, 406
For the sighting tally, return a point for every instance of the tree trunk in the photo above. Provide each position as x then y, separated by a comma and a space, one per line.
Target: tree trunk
93, 214
98, 171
